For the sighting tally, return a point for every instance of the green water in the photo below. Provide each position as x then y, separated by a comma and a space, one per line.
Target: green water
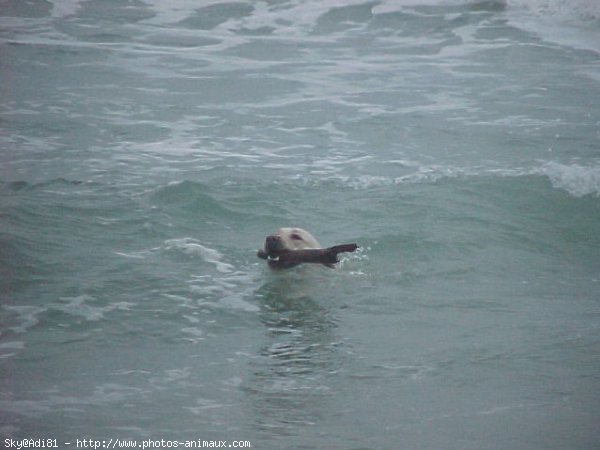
147, 149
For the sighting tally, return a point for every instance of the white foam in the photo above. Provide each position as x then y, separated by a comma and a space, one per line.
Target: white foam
193, 334
80, 306
190, 246
566, 22
27, 316
11, 348
224, 291
575, 179
235, 301
136, 255
390, 6
64, 8
564, 9
187, 246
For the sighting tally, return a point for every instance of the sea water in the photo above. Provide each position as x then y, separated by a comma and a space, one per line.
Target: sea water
147, 148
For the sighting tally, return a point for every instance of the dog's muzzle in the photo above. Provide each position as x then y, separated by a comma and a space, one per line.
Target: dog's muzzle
272, 244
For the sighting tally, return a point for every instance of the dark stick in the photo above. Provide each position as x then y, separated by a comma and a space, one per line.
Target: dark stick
314, 255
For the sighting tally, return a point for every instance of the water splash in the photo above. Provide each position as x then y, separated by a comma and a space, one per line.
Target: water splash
575, 179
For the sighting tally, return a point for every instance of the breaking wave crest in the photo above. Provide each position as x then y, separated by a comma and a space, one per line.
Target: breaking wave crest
575, 179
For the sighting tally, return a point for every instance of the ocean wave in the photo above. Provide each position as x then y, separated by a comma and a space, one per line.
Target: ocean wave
82, 306
575, 179
565, 9
187, 246
27, 316
192, 198
20, 185
230, 290
566, 22
11, 348
192, 247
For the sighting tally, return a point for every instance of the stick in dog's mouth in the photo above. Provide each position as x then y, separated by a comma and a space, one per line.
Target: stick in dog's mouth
327, 255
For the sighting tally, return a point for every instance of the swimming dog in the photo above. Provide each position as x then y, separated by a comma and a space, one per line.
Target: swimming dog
289, 247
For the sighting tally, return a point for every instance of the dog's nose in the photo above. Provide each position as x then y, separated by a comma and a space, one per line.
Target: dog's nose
271, 242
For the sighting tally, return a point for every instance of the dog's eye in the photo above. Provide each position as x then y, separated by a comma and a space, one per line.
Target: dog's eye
296, 236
